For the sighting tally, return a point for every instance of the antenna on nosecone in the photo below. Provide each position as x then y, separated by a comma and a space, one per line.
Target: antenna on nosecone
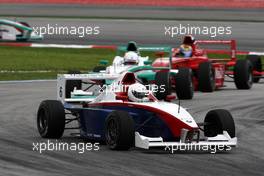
179, 105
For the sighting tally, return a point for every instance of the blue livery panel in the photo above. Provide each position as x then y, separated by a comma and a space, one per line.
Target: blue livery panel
92, 122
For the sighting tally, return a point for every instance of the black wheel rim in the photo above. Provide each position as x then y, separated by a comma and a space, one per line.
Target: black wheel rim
112, 132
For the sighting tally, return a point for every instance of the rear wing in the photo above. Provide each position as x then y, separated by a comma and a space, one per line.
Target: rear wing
63, 78
232, 51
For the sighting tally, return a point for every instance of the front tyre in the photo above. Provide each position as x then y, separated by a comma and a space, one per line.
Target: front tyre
217, 121
256, 64
119, 131
51, 119
243, 74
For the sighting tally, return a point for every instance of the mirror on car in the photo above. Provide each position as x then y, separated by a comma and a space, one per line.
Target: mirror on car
147, 62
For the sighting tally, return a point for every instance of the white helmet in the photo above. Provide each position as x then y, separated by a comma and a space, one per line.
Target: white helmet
137, 93
131, 58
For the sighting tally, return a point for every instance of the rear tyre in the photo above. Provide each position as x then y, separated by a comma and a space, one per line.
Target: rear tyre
99, 68
256, 65
243, 74
206, 78
119, 131
217, 121
51, 119
70, 85
184, 84
162, 80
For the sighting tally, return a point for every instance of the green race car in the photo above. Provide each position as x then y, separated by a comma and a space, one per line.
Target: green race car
17, 31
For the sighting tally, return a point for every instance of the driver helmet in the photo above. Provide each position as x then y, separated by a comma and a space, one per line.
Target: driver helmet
131, 58
186, 50
188, 40
137, 93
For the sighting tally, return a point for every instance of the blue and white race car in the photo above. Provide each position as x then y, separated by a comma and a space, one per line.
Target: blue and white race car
126, 114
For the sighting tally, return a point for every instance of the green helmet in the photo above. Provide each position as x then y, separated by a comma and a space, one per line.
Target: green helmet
132, 46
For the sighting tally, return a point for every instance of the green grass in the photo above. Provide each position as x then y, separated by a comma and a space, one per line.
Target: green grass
54, 60
27, 76
29, 59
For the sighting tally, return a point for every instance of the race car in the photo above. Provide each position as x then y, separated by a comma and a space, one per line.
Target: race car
126, 57
209, 73
17, 31
174, 80
126, 114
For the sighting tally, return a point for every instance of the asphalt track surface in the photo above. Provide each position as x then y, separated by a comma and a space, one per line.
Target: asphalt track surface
146, 24
142, 12
249, 35
19, 103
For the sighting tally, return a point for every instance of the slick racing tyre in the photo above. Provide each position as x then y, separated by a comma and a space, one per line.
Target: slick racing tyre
243, 74
70, 85
99, 68
256, 65
217, 121
206, 77
162, 80
51, 119
119, 131
184, 84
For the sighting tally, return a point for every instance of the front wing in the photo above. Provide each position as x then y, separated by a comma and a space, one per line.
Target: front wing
219, 140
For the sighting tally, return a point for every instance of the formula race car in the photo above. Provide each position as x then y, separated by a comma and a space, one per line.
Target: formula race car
126, 114
174, 80
208, 73
17, 31
126, 57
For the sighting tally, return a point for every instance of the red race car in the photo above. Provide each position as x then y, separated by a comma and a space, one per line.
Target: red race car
209, 73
